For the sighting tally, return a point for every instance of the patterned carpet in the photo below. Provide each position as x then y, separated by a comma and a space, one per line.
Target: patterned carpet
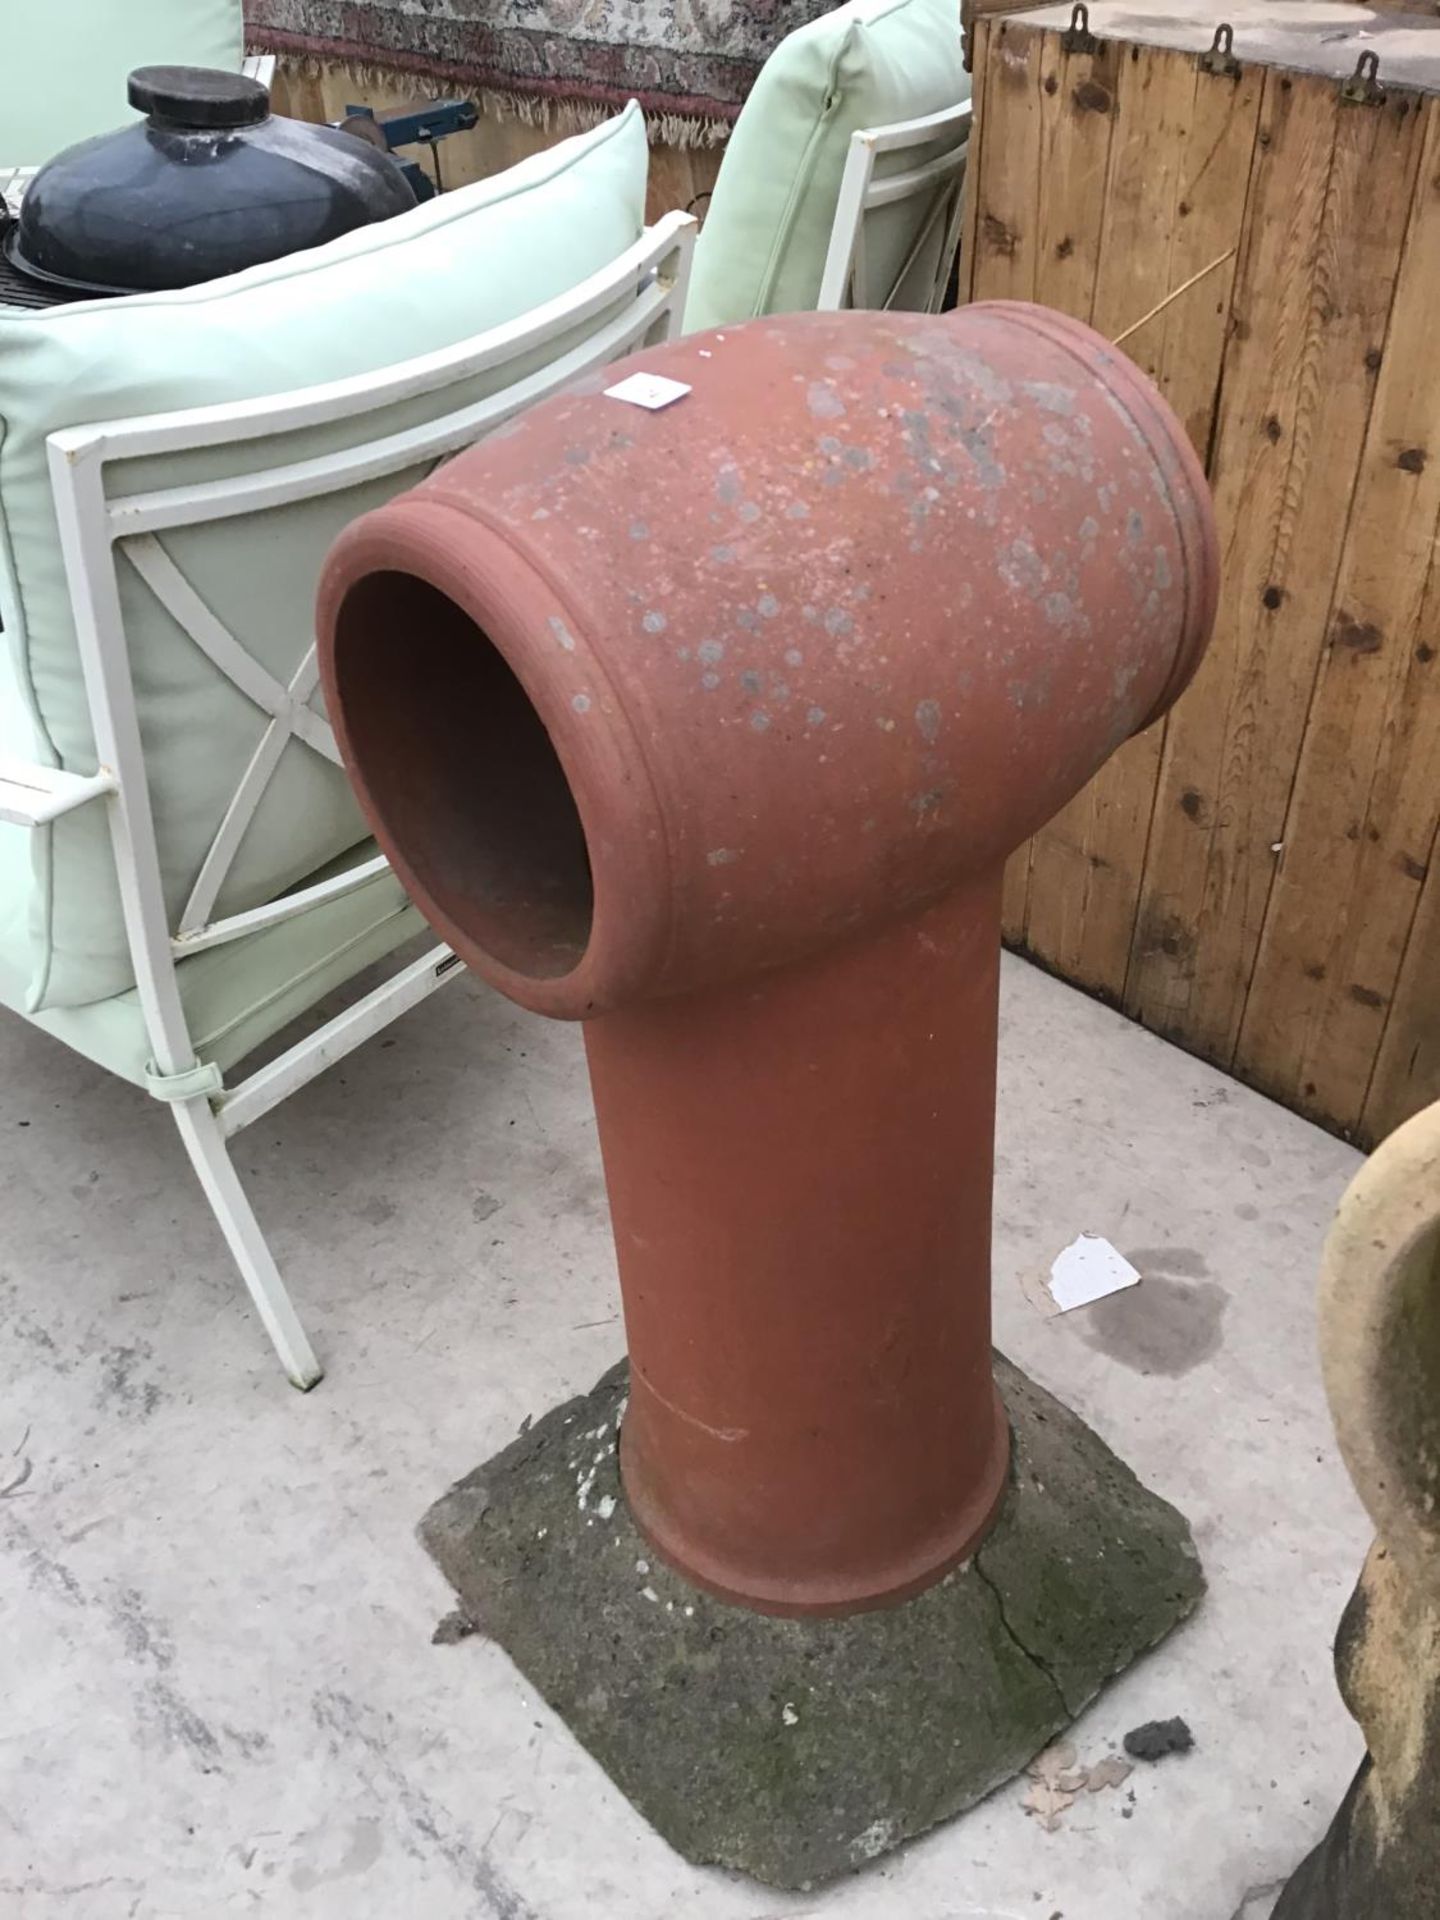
690, 60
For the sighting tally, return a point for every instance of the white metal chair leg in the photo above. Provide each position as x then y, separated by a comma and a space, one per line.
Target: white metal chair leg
205, 1143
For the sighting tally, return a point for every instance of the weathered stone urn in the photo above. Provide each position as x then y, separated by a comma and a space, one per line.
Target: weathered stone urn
1380, 1345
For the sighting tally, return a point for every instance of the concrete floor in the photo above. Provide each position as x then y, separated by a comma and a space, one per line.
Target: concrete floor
219, 1694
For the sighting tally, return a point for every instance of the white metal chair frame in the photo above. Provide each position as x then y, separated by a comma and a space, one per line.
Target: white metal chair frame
845, 280
651, 280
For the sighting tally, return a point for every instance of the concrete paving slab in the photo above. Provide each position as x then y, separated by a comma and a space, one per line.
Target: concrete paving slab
219, 1690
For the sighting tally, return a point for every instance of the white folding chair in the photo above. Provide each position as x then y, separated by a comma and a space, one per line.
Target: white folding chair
116, 493
880, 257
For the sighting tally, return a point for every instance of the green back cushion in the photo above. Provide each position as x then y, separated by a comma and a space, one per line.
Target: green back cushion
425, 280
867, 64
65, 63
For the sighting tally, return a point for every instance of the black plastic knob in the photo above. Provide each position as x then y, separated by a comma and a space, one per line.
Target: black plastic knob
204, 98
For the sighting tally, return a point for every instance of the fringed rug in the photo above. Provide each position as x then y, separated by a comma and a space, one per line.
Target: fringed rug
690, 63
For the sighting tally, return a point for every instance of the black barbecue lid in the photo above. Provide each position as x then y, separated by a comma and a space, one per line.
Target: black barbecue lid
211, 182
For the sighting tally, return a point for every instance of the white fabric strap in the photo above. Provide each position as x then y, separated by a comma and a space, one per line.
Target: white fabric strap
204, 1078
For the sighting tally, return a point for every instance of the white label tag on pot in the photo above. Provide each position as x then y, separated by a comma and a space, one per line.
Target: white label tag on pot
649, 390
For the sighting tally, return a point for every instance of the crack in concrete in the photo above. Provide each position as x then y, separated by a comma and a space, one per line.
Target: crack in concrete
1036, 1660
348, 1723
1268, 1890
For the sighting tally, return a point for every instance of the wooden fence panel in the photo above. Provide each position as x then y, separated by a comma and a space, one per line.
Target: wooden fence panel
1312, 298
1183, 140
1362, 817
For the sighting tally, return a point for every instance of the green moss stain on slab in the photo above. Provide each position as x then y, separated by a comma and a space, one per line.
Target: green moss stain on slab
797, 1750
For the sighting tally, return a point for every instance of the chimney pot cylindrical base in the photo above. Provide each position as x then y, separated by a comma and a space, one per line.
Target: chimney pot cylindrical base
799, 1169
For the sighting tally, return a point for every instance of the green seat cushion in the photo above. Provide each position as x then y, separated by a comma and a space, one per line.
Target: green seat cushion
868, 64
466, 261
238, 995
65, 63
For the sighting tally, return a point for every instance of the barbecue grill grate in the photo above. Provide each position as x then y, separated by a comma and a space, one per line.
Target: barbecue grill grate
17, 290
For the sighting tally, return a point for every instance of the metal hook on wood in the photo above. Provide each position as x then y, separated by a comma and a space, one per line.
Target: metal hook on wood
1077, 37
1220, 59
1363, 88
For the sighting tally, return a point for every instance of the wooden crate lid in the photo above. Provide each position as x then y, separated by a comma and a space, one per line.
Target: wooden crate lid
1325, 37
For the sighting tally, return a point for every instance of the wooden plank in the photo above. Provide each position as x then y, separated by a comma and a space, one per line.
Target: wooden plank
1008, 208
1313, 292
1184, 140
1014, 897
1363, 816
1157, 102
974, 15
970, 202
1078, 95
494, 143
1407, 1068
671, 182
1078, 104
681, 178
296, 92
1213, 185
705, 164
1003, 216
1130, 274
